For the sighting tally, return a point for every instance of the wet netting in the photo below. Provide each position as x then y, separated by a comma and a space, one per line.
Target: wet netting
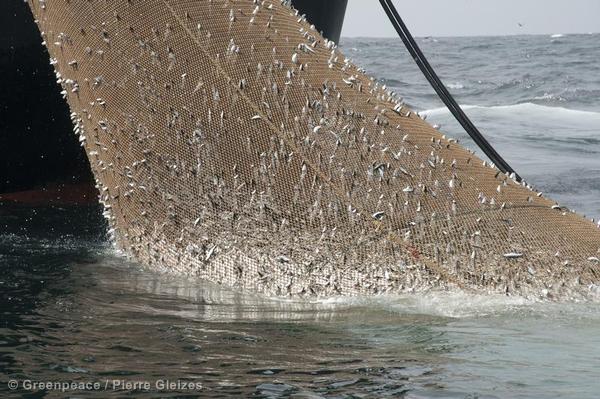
231, 141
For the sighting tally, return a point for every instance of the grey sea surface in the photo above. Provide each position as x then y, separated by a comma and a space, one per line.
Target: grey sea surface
72, 309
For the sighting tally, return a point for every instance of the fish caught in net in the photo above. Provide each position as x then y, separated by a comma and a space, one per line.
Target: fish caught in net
232, 142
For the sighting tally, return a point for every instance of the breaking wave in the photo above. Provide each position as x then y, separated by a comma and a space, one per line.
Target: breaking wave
529, 109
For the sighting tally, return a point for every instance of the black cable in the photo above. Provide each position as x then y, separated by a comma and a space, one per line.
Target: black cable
441, 90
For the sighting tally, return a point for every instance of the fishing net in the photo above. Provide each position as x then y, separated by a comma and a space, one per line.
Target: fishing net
232, 142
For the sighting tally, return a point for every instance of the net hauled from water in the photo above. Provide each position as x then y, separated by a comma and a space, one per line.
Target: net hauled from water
232, 142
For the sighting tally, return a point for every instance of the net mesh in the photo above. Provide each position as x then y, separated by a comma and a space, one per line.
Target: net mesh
230, 141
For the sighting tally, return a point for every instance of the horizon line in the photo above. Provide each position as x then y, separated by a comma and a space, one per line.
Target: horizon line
479, 35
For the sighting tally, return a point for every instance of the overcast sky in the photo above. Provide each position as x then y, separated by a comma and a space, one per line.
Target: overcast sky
475, 17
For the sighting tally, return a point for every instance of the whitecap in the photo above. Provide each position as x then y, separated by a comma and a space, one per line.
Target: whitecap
455, 86
557, 35
549, 97
528, 109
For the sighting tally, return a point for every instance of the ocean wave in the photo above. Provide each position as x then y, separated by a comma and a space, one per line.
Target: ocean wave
549, 97
570, 94
529, 109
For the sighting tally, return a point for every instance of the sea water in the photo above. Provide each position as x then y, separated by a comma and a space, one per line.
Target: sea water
73, 310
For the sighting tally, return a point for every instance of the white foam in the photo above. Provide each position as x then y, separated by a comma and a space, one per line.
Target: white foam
557, 35
457, 304
528, 110
455, 86
549, 97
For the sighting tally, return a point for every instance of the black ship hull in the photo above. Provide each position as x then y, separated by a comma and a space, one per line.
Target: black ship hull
40, 157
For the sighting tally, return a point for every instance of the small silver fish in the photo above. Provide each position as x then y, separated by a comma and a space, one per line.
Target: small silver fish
378, 215
513, 255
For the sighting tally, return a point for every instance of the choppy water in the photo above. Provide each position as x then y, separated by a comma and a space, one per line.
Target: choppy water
536, 98
73, 310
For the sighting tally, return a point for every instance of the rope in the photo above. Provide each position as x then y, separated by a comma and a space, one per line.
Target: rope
441, 90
